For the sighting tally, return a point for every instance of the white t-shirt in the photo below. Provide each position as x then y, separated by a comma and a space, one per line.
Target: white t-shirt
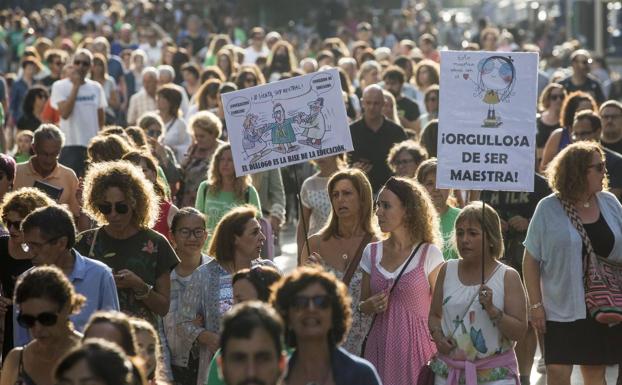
177, 137
251, 55
83, 123
433, 259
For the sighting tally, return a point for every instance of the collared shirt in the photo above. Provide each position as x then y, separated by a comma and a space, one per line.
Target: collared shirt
94, 281
140, 103
62, 177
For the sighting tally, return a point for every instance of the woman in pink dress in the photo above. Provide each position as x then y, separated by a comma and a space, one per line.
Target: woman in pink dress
399, 342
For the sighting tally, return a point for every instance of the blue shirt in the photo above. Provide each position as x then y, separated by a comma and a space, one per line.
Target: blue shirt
94, 281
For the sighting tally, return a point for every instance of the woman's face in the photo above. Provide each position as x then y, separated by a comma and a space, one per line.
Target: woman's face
345, 199
147, 350
249, 80
250, 243
243, 290
189, 236
203, 138
164, 107
98, 68
311, 313
595, 174
390, 211
189, 77
431, 102
149, 173
225, 165
423, 76
41, 308
372, 77
223, 62
556, 98
387, 109
439, 196
80, 374
39, 104
116, 208
469, 239
405, 164
12, 222
106, 331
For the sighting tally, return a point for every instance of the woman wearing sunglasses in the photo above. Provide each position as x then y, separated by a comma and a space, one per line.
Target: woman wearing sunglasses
398, 280
316, 309
45, 299
236, 245
553, 264
13, 259
119, 197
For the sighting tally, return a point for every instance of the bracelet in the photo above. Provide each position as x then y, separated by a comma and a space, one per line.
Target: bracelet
535, 306
498, 316
359, 307
145, 294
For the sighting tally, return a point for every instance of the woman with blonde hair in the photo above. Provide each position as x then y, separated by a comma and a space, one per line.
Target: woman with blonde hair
389, 109
119, 197
398, 280
223, 190
339, 245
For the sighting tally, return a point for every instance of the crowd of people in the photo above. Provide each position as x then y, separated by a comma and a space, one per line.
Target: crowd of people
132, 253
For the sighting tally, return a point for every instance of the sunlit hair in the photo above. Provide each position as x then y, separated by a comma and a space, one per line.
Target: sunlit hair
207, 122
567, 172
241, 183
571, 104
394, 114
545, 96
418, 153
107, 148
261, 277
132, 183
286, 290
209, 89
142, 326
222, 244
173, 97
186, 212
148, 119
136, 157
138, 136
472, 213
49, 283
432, 67
120, 322
420, 219
23, 201
366, 209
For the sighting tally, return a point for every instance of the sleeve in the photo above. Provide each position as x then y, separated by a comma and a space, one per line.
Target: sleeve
167, 259
432, 259
191, 305
57, 95
253, 198
304, 193
366, 259
109, 298
103, 102
199, 203
533, 241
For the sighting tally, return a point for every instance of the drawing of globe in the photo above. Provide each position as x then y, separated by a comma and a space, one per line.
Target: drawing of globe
495, 73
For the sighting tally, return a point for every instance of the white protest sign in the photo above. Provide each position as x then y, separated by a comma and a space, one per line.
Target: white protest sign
487, 120
287, 122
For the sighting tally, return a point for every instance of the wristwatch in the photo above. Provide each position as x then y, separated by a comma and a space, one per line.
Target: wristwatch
145, 293
535, 306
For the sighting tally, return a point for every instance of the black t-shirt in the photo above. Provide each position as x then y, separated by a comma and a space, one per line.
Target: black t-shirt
28, 122
613, 160
511, 203
615, 147
374, 147
407, 108
10, 270
591, 86
600, 236
543, 132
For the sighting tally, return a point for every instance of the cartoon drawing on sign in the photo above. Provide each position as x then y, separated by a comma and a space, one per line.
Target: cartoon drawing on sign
496, 77
254, 145
314, 124
283, 134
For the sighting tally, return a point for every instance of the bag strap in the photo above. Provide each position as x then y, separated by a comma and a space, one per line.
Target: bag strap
410, 258
354, 262
93, 243
576, 222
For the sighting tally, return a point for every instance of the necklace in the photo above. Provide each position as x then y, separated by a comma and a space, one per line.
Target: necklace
587, 205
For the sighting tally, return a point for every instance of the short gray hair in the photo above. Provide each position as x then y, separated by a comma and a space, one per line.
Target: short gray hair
150, 71
48, 131
166, 69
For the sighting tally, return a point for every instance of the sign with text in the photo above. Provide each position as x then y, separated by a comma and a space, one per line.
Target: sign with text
287, 122
487, 120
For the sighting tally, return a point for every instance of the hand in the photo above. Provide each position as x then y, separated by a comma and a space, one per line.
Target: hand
126, 279
314, 259
198, 322
210, 340
378, 303
275, 222
363, 165
4, 305
518, 223
445, 345
76, 77
485, 297
538, 319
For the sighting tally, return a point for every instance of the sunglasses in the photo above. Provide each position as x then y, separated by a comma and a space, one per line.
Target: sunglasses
27, 321
599, 167
83, 63
580, 135
556, 96
119, 207
154, 133
302, 302
185, 232
15, 224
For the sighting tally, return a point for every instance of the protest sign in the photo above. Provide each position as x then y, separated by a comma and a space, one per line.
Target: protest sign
487, 120
287, 122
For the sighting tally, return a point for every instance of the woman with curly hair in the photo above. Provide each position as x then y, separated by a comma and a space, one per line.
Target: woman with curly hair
316, 309
45, 300
122, 201
223, 190
398, 280
235, 245
405, 157
105, 148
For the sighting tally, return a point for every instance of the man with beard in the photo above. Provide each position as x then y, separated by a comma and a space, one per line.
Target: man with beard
407, 109
581, 79
252, 346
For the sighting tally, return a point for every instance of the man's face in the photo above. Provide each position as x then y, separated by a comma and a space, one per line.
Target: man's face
150, 83
393, 86
582, 130
612, 121
47, 154
373, 101
252, 361
165, 79
581, 65
83, 64
43, 251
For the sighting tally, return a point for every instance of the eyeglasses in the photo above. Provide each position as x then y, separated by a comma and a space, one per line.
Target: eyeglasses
599, 167
29, 246
556, 96
197, 232
83, 63
612, 117
302, 302
154, 133
119, 207
15, 224
45, 319
581, 135
403, 162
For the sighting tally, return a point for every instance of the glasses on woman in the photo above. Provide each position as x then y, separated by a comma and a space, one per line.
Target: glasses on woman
197, 232
119, 208
28, 321
302, 302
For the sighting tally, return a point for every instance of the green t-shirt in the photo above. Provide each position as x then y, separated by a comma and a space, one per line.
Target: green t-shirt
22, 158
213, 376
448, 220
